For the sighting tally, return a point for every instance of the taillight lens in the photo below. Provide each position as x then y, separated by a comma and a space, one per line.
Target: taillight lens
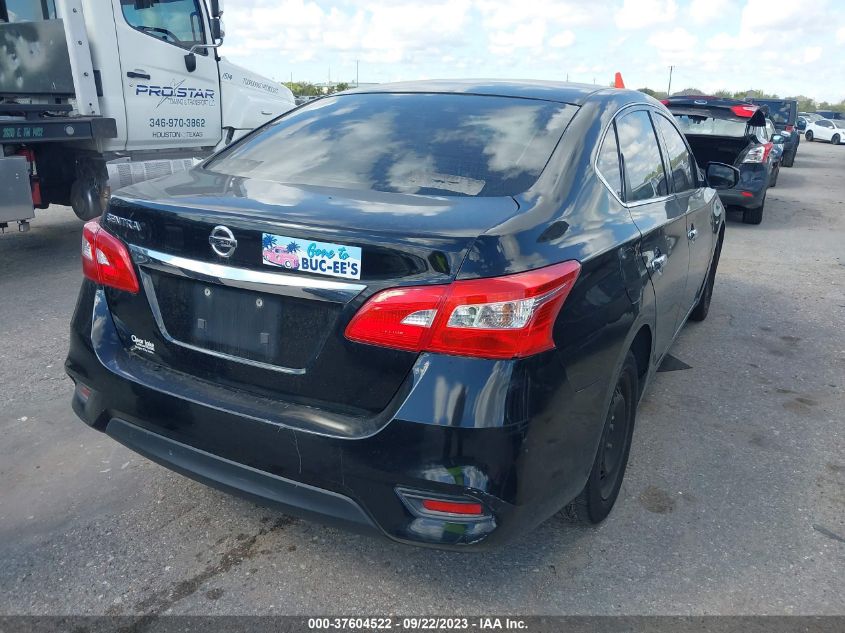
105, 259
758, 154
744, 111
501, 317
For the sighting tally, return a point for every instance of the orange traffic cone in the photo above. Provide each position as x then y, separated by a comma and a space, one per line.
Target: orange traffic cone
618, 83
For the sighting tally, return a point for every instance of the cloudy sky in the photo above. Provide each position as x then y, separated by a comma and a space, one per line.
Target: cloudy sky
781, 46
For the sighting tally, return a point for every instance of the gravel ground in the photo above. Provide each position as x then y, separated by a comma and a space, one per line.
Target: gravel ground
734, 501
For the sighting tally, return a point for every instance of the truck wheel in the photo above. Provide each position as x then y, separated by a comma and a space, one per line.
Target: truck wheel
789, 159
89, 193
597, 499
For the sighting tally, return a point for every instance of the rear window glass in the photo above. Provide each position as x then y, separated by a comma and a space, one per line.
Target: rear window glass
436, 144
779, 111
710, 126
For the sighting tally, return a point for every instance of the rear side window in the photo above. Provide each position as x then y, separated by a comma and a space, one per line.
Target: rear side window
643, 165
706, 125
779, 111
608, 161
431, 144
177, 22
680, 160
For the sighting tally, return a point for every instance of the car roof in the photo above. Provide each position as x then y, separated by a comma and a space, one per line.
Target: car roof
561, 91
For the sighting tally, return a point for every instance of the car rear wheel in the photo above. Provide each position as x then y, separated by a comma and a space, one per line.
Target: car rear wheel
809, 136
755, 215
835, 139
773, 181
599, 494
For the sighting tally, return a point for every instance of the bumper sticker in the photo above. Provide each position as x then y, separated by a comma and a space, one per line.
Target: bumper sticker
322, 258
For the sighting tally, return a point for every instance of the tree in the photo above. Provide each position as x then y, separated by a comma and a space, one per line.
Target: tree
657, 94
688, 91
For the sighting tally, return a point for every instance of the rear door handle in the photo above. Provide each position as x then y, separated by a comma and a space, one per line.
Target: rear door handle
133, 75
692, 234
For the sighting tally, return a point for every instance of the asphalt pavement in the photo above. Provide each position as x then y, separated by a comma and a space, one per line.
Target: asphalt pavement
734, 501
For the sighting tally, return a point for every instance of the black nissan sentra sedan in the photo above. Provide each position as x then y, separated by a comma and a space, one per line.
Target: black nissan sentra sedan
427, 310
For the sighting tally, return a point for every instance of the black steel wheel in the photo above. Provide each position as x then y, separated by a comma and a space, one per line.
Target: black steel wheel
599, 494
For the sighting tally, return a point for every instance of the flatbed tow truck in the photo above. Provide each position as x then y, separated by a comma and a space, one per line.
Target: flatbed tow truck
99, 94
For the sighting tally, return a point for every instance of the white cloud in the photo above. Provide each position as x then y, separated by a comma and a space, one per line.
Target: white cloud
704, 11
678, 40
812, 53
840, 35
529, 35
383, 32
637, 14
562, 39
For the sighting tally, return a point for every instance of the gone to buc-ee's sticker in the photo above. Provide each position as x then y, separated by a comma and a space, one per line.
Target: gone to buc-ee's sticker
322, 258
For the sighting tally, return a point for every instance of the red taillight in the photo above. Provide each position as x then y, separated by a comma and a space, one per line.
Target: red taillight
745, 111
500, 317
747, 194
105, 259
453, 507
664, 101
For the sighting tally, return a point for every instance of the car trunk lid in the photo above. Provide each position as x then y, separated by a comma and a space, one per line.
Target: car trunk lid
718, 130
257, 319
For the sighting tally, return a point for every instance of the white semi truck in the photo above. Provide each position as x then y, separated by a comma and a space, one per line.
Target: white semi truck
101, 93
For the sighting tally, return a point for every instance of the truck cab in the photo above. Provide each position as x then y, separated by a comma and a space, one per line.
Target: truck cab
140, 82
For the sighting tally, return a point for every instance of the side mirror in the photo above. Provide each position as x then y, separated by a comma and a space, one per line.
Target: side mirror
217, 30
777, 138
722, 176
190, 62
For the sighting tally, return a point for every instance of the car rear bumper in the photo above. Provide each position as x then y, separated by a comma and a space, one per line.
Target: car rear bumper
286, 494
751, 190
463, 431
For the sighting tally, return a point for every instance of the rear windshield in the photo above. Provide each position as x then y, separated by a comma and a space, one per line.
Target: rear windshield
779, 111
704, 124
436, 144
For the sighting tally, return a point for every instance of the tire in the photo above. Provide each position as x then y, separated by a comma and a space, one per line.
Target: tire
86, 200
835, 139
789, 159
702, 308
599, 494
755, 215
809, 136
773, 180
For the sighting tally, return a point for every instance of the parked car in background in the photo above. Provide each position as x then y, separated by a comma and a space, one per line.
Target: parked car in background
777, 140
475, 317
784, 114
831, 115
732, 132
804, 119
826, 130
